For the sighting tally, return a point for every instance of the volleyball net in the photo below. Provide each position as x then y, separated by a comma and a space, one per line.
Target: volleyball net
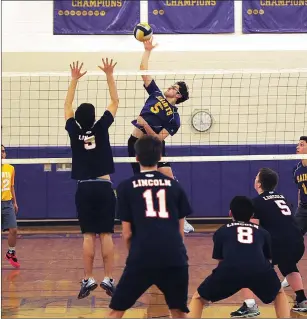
247, 117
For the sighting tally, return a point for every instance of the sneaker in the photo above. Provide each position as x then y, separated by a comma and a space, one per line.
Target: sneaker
246, 312
86, 287
11, 257
108, 285
285, 284
300, 306
187, 228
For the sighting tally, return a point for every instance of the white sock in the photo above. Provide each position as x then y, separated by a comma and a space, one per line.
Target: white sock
250, 302
11, 248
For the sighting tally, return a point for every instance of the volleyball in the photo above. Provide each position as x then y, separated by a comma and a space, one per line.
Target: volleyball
142, 32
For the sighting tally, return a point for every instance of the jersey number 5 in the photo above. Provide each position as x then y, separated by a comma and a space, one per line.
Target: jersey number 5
284, 208
245, 235
161, 212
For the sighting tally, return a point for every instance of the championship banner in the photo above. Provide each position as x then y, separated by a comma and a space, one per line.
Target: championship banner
274, 16
191, 16
95, 16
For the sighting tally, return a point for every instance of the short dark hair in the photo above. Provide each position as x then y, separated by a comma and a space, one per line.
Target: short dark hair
184, 91
242, 208
85, 115
148, 150
303, 138
268, 179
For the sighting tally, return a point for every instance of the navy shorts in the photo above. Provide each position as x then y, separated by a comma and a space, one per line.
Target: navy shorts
173, 283
286, 256
95, 203
225, 282
136, 166
8, 215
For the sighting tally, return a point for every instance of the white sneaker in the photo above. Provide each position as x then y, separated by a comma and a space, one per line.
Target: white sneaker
108, 285
187, 228
285, 284
86, 287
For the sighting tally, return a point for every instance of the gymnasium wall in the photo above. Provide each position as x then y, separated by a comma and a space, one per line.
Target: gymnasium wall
250, 116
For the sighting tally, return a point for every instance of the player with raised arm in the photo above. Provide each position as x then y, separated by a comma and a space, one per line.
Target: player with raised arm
92, 164
9, 208
159, 116
243, 250
273, 214
300, 178
151, 203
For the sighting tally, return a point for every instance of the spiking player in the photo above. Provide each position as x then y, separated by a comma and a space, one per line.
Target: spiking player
273, 214
92, 164
150, 203
159, 116
9, 208
243, 250
300, 178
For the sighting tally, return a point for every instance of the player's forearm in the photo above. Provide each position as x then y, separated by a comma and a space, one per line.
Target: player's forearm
112, 88
151, 132
298, 198
145, 59
14, 200
70, 95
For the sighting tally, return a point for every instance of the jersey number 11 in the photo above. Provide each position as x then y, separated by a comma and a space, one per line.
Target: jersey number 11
161, 211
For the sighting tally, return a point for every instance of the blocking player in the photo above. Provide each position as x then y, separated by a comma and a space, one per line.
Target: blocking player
244, 252
151, 203
300, 178
92, 164
273, 214
159, 116
9, 209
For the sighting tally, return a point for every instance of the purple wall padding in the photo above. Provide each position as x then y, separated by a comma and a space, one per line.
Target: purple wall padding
209, 185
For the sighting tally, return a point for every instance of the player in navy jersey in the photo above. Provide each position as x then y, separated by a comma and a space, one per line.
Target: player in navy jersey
92, 164
159, 116
273, 214
152, 207
243, 250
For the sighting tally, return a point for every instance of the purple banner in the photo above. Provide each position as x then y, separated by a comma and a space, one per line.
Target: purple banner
95, 16
191, 16
274, 16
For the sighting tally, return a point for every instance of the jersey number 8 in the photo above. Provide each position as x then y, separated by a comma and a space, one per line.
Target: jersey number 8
245, 235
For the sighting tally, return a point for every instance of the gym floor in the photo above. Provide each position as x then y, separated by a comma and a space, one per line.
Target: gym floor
47, 284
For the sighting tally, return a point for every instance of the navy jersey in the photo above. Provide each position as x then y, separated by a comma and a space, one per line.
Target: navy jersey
154, 203
158, 112
242, 246
275, 216
300, 178
91, 151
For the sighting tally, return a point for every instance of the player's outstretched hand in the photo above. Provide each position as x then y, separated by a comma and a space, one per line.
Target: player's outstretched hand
148, 45
76, 73
107, 67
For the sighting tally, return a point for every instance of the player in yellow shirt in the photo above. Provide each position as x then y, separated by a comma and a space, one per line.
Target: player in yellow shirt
9, 208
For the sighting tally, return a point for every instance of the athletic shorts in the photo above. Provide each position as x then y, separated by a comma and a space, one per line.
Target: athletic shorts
134, 282
136, 166
95, 203
8, 215
225, 282
286, 256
